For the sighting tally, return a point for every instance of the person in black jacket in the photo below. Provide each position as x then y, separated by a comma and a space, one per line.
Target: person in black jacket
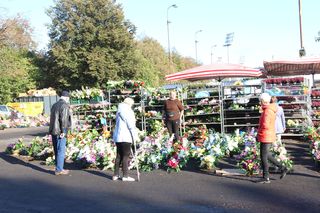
60, 122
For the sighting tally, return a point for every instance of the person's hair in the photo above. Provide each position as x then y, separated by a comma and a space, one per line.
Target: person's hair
265, 98
273, 99
129, 101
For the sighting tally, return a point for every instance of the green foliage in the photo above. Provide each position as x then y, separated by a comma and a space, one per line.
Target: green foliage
16, 72
91, 43
155, 127
183, 63
153, 62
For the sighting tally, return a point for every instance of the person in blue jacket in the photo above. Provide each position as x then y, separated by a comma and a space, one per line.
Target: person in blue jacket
124, 135
280, 119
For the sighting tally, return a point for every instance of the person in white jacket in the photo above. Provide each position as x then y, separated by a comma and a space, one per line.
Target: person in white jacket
124, 135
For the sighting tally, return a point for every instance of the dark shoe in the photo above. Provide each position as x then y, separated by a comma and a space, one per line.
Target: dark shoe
264, 180
284, 173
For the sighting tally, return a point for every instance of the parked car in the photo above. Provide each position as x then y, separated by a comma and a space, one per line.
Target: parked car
5, 111
9, 112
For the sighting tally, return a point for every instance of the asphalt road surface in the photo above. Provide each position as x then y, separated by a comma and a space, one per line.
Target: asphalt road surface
32, 187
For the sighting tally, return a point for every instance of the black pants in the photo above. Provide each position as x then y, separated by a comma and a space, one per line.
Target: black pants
266, 155
173, 128
123, 152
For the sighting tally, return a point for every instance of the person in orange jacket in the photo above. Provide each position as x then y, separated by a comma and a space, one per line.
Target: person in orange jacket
266, 136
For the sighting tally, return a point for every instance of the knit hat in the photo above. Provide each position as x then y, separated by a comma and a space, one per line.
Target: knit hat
265, 97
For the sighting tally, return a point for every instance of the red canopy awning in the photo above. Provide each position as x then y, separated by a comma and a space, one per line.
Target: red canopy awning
215, 71
301, 66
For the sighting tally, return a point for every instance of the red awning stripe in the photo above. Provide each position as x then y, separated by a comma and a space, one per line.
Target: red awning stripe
214, 74
304, 66
218, 71
210, 71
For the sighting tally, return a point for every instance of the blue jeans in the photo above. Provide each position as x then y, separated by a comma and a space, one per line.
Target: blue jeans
59, 146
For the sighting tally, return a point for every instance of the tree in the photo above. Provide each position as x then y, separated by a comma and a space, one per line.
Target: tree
90, 43
16, 33
183, 63
153, 63
16, 61
16, 69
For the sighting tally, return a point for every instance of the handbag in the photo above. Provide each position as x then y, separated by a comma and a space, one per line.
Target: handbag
170, 114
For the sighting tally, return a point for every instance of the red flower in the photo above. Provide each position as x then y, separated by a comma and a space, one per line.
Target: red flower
173, 163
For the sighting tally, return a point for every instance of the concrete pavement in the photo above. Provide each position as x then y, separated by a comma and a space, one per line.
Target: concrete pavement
32, 187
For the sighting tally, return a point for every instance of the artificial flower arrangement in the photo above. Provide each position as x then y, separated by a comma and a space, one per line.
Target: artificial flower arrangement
25, 121
292, 106
37, 149
90, 149
296, 80
197, 111
316, 124
294, 123
155, 127
16, 148
234, 106
86, 93
206, 101
148, 152
248, 159
315, 104
280, 153
129, 84
315, 94
312, 134
175, 154
153, 114
215, 147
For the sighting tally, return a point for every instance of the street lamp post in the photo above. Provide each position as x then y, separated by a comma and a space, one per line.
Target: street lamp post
302, 51
196, 43
212, 47
168, 22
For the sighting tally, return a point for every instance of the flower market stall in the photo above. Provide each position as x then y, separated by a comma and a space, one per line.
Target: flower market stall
219, 72
90, 144
294, 97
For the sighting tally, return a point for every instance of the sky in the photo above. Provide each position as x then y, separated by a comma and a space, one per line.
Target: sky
263, 29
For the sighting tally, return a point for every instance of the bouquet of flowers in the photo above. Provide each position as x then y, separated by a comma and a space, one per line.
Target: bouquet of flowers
40, 148
148, 153
16, 148
175, 154
86, 93
312, 134
280, 153
249, 160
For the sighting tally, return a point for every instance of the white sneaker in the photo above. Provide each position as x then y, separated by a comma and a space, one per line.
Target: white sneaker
128, 179
115, 177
